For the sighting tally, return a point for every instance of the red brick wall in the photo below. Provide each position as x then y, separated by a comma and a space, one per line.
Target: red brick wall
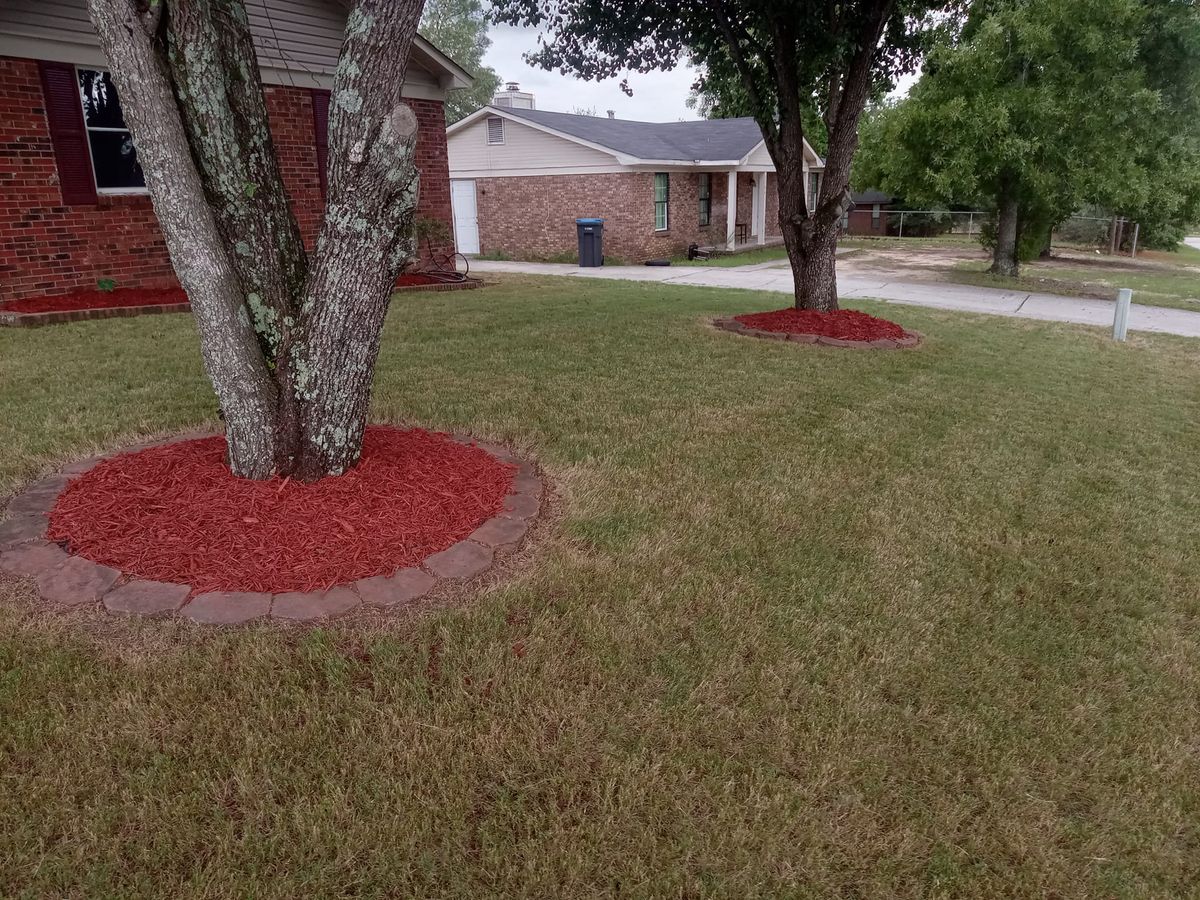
862, 221
49, 248
533, 217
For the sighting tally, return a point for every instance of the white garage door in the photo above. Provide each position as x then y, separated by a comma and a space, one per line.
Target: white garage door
466, 220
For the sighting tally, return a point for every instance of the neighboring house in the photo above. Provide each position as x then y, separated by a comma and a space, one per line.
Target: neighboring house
869, 214
73, 208
520, 177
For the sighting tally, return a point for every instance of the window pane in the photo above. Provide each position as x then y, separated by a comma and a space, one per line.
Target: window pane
705, 186
661, 187
115, 160
101, 105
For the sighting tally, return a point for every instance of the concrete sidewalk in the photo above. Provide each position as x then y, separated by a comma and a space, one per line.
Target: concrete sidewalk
992, 301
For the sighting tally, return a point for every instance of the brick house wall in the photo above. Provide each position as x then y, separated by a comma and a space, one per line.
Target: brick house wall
534, 216
861, 220
47, 247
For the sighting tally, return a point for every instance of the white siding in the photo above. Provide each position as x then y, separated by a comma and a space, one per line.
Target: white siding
525, 151
760, 157
297, 41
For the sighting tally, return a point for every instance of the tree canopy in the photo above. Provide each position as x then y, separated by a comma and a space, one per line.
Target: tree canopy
459, 28
1044, 105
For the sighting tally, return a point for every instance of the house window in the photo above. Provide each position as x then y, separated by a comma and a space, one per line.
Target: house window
114, 158
875, 214
814, 189
495, 130
662, 194
705, 198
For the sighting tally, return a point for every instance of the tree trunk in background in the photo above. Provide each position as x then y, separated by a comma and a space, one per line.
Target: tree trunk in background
1004, 255
811, 245
1047, 250
290, 345
811, 235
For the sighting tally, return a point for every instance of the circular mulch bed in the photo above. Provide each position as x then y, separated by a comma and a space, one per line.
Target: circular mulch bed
169, 528
841, 328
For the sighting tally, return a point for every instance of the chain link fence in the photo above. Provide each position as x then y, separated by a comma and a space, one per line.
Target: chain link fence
1115, 235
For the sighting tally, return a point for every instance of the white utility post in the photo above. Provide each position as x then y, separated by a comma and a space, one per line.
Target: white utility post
1137, 227
731, 211
1121, 317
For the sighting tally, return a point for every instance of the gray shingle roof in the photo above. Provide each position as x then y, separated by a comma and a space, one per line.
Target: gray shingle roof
709, 139
872, 197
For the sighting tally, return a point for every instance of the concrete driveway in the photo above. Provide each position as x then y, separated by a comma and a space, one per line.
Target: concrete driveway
991, 301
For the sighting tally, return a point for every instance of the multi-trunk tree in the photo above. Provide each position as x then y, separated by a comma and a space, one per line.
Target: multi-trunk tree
289, 339
792, 57
1041, 106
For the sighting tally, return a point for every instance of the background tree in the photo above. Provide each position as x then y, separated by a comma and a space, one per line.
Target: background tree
1162, 190
289, 342
1038, 107
789, 56
459, 28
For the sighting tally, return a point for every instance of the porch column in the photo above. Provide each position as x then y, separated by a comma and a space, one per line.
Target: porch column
731, 211
760, 185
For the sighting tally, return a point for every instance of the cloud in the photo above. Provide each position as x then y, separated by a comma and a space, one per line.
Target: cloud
657, 96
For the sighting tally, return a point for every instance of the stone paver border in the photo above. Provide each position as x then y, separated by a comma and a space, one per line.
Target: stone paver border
65, 581
733, 326
37, 319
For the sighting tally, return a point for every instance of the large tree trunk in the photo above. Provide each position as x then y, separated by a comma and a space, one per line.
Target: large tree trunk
366, 238
202, 261
1005, 260
289, 346
210, 51
811, 241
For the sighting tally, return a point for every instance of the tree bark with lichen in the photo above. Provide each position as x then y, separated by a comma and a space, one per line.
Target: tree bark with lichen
289, 342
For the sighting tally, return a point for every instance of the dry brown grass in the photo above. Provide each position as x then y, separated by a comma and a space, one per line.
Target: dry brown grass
812, 623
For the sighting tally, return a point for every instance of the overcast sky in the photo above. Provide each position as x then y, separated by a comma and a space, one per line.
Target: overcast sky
657, 96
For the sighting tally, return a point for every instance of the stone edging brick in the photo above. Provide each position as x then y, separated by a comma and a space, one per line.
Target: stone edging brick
65, 581
35, 320
468, 285
732, 325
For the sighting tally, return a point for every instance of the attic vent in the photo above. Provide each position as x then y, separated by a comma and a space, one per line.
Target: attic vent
495, 126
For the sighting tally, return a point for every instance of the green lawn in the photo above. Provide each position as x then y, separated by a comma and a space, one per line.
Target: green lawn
808, 623
1178, 288
747, 258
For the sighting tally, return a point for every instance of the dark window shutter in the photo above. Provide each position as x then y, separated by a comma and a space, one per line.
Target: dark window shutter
60, 90
320, 104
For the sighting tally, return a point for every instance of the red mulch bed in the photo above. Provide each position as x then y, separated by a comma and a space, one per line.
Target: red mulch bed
843, 324
97, 300
409, 279
177, 513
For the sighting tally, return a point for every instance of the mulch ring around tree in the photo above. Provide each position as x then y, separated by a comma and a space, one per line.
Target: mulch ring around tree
79, 306
167, 529
841, 328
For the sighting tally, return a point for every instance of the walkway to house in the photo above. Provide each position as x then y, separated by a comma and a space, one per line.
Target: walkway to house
992, 301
